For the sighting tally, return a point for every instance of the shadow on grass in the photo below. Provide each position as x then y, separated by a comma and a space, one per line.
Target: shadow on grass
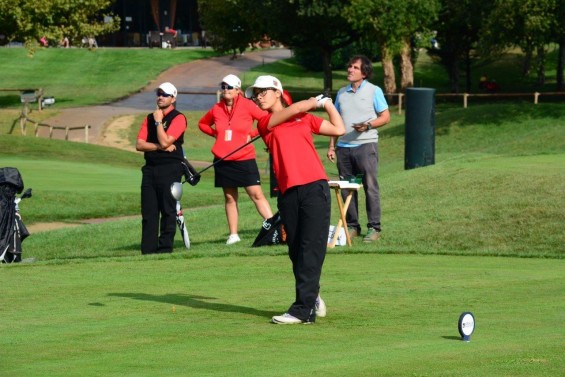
196, 302
451, 337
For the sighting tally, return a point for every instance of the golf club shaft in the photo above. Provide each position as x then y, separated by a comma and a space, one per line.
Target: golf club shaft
229, 154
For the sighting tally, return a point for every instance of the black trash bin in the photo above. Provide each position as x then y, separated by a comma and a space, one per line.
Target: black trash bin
419, 149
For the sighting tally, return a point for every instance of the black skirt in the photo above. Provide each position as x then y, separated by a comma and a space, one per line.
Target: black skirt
236, 173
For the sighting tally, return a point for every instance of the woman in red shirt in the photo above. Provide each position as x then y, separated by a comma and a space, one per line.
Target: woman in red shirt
304, 201
230, 122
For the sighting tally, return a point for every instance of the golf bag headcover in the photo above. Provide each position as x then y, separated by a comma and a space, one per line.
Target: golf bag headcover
190, 174
11, 176
271, 233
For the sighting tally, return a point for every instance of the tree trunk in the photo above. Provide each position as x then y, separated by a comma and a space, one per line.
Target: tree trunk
468, 71
388, 71
527, 60
560, 66
406, 67
540, 66
454, 75
327, 62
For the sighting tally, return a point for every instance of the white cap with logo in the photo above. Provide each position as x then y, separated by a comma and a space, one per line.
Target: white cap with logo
264, 82
168, 88
232, 80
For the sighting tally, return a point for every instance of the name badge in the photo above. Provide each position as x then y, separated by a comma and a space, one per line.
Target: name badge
228, 135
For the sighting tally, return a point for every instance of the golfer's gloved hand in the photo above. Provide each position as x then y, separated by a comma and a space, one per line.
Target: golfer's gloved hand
321, 101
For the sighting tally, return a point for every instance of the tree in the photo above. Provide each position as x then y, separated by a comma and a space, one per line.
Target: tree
312, 24
393, 23
30, 20
458, 31
227, 25
532, 25
318, 25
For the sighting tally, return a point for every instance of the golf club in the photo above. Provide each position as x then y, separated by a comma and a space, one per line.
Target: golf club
176, 192
193, 177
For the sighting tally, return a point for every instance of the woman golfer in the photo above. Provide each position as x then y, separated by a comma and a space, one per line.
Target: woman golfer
304, 201
230, 122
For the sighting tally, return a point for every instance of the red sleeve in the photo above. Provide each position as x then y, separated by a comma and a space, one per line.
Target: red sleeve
177, 127
142, 134
205, 123
315, 123
257, 114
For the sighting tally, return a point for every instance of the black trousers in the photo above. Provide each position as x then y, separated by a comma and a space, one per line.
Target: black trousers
305, 212
158, 207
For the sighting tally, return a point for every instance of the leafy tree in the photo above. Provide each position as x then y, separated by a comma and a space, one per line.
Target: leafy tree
458, 31
30, 20
310, 24
318, 25
532, 25
227, 25
393, 24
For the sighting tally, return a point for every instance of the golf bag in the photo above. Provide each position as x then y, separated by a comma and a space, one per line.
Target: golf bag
271, 233
12, 229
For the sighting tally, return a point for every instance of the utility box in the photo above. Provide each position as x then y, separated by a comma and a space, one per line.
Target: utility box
419, 148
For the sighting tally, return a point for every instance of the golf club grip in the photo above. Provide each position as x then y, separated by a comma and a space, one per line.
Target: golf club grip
229, 154
191, 168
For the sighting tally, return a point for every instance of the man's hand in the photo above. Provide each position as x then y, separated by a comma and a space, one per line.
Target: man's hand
331, 154
361, 127
158, 115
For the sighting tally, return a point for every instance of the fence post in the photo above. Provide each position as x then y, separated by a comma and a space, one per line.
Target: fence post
536, 96
465, 95
400, 95
86, 127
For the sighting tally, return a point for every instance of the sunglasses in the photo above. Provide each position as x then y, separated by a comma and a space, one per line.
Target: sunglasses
260, 92
226, 86
163, 94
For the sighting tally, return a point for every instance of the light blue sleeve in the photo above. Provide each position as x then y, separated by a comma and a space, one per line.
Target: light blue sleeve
379, 101
336, 103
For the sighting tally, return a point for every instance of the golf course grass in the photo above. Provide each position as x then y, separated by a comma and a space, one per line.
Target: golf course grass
481, 230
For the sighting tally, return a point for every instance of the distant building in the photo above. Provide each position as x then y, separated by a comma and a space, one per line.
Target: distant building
142, 18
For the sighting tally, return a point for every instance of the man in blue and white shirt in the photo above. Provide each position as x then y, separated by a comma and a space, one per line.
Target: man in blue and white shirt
364, 109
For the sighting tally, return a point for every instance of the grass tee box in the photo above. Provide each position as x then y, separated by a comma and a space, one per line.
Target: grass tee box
388, 315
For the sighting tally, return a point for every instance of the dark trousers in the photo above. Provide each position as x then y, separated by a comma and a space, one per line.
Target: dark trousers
363, 159
305, 213
158, 208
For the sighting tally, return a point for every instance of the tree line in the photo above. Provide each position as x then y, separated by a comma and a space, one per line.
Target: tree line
456, 32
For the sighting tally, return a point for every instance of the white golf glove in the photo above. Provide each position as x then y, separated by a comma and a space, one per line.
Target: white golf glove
321, 101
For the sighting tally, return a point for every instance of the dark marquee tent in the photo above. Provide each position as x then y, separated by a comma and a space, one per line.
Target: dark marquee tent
140, 18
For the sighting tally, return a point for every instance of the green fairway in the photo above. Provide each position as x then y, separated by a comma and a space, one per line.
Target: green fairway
388, 315
79, 77
480, 230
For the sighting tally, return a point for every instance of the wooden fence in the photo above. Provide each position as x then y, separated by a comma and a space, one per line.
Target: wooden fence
24, 119
465, 96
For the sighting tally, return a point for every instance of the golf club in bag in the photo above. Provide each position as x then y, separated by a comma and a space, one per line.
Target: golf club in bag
176, 191
12, 229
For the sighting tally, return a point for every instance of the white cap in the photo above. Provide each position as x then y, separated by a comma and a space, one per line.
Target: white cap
168, 88
264, 82
232, 80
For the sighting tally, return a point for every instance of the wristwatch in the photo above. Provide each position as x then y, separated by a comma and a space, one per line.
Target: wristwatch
368, 124
158, 123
